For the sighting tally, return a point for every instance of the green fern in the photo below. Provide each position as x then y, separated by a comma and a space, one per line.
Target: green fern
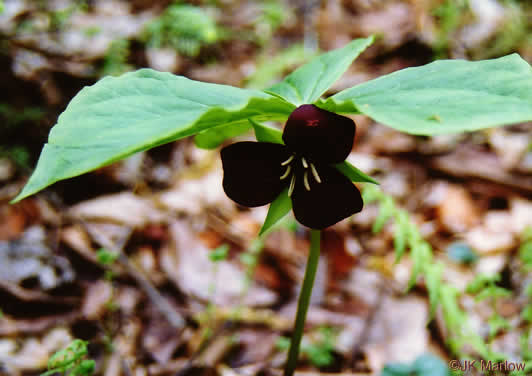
185, 28
441, 294
270, 68
71, 361
115, 61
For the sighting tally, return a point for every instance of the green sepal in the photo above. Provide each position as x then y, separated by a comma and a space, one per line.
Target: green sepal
264, 133
353, 173
278, 209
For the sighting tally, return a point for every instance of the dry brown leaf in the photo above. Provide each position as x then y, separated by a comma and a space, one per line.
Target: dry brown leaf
468, 161
455, 208
97, 297
399, 333
33, 353
123, 208
187, 264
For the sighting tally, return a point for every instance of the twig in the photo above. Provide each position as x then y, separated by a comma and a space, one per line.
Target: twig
368, 324
125, 367
173, 317
310, 36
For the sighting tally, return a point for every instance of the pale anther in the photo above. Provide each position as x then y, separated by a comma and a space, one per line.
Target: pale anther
288, 160
315, 173
287, 172
292, 185
305, 181
305, 164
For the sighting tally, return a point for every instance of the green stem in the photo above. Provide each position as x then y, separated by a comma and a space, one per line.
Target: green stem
303, 303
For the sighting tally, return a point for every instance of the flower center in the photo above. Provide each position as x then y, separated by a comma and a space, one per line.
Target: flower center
292, 167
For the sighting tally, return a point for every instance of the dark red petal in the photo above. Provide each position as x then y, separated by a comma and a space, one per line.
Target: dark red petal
252, 172
320, 135
328, 202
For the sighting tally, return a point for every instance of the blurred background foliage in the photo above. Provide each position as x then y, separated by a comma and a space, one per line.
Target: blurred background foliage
252, 43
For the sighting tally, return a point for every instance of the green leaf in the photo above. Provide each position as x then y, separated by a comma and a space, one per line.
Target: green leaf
220, 253
353, 173
386, 211
119, 116
214, 137
398, 369
402, 230
526, 313
307, 83
106, 257
433, 280
277, 210
421, 256
444, 96
264, 133
283, 343
453, 315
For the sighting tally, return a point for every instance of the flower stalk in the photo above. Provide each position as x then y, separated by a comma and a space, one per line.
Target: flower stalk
303, 302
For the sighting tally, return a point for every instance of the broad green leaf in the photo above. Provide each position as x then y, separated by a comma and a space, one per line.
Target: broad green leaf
264, 133
214, 137
307, 83
119, 116
277, 210
444, 96
354, 173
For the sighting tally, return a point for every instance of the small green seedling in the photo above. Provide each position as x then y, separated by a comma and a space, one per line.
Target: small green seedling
319, 352
71, 361
106, 257
219, 254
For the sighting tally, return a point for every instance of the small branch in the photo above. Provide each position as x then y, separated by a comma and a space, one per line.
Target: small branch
125, 367
173, 317
368, 324
303, 302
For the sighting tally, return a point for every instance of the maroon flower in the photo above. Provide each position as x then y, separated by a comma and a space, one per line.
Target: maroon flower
255, 173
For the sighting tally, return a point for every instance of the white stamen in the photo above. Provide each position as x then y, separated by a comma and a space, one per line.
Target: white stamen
305, 164
315, 173
288, 160
292, 185
287, 172
305, 181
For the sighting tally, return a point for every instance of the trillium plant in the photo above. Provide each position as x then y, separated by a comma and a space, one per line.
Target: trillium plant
255, 173
301, 168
